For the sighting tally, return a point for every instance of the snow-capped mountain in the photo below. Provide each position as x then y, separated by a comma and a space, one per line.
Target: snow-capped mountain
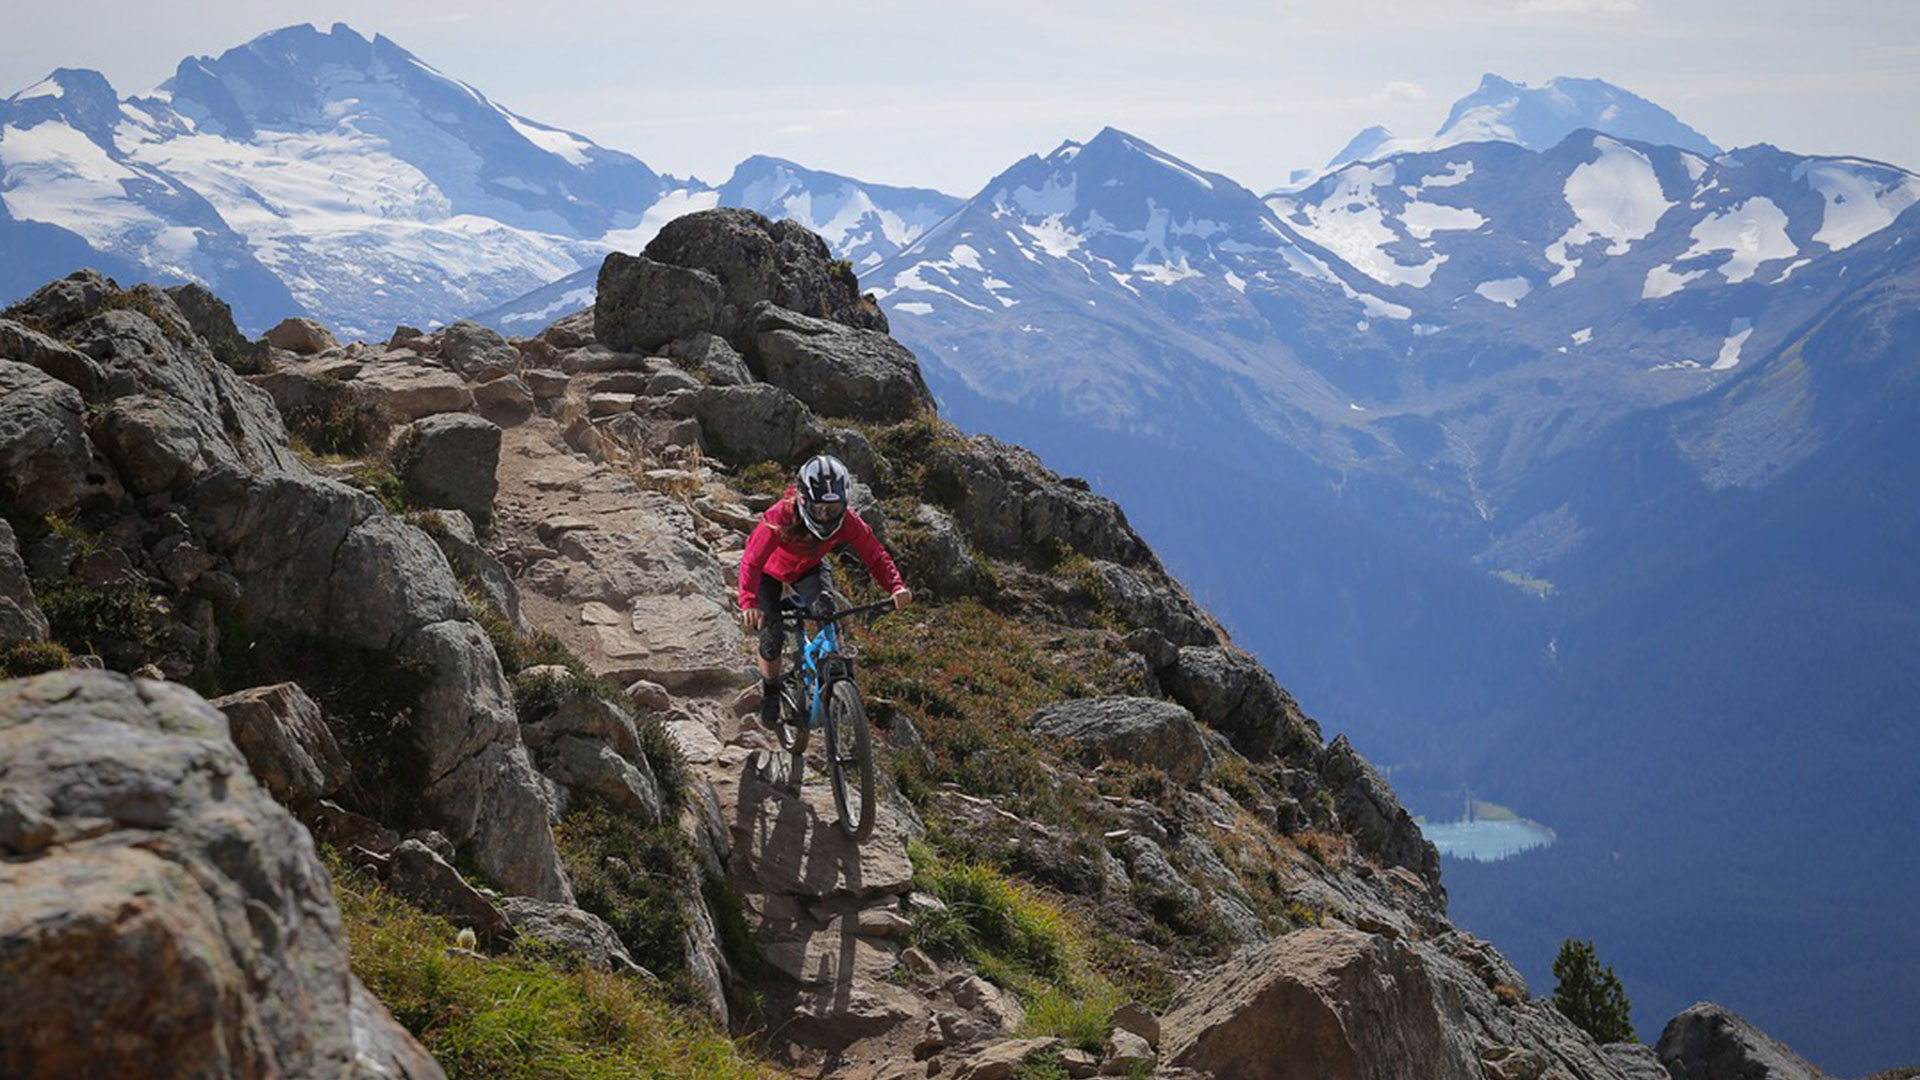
1538, 118
863, 223
1125, 287
372, 187
70, 196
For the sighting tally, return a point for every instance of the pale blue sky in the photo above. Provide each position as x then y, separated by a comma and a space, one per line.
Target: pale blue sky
948, 95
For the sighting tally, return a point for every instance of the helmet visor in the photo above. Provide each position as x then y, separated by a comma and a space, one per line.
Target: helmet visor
823, 518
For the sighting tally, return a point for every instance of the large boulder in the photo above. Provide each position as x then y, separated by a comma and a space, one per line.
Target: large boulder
168, 917
1371, 813
935, 557
579, 934
286, 742
837, 370
410, 389
643, 304
1330, 1003
1712, 1042
710, 355
450, 461
20, 615
1144, 731
44, 455
470, 348
212, 320
303, 337
744, 424
1230, 692
755, 259
29, 346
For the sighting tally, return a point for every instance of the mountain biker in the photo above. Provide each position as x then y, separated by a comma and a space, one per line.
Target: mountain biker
786, 551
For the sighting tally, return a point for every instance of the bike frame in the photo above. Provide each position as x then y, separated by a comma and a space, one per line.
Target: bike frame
822, 646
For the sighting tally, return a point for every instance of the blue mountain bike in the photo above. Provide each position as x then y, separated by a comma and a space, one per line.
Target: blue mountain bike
818, 691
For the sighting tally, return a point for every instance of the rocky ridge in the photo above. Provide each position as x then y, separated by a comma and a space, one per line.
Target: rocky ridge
1172, 790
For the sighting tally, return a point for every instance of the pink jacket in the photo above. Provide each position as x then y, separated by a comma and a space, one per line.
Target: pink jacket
789, 560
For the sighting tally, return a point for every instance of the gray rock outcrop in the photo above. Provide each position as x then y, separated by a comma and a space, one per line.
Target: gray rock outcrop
1353, 1004
710, 355
20, 615
643, 304
1371, 813
44, 457
29, 346
254, 544
1230, 692
1141, 730
755, 259
1712, 1042
451, 461
286, 742
168, 916
838, 370
303, 337
752, 423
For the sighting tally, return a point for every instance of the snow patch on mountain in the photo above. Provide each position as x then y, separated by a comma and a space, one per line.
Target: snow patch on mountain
1861, 197
1616, 197
1506, 291
1423, 219
1737, 336
673, 204
1754, 232
1349, 222
58, 176
1663, 280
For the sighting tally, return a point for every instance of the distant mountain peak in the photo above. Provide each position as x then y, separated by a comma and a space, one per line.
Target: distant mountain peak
1538, 118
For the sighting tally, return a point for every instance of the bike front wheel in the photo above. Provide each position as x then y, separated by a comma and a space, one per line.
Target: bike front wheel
850, 760
793, 714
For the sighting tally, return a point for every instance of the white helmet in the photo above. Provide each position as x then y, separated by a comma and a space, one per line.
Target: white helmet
822, 490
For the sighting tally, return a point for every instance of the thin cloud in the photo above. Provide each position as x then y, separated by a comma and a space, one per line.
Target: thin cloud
1578, 7
1399, 91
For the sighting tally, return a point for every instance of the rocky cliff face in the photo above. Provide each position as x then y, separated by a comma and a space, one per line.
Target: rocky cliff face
1090, 794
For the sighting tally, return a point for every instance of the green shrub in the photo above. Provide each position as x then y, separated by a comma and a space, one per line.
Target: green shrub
1589, 994
19, 659
87, 618
343, 425
519, 1016
377, 478
1015, 936
634, 876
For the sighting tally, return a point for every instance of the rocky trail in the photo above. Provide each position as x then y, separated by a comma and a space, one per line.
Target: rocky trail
638, 582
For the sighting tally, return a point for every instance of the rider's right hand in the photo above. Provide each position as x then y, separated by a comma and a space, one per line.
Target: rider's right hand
752, 618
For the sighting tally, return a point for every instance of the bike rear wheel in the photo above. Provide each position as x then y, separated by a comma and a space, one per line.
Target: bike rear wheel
850, 759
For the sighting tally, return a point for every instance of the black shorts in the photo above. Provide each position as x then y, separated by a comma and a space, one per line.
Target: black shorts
810, 592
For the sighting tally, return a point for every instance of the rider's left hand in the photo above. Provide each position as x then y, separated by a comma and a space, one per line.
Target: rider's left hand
902, 596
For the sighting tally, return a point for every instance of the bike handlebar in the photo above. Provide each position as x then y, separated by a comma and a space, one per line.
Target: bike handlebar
788, 610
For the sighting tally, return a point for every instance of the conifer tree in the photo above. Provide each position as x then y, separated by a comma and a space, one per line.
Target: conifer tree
1589, 994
